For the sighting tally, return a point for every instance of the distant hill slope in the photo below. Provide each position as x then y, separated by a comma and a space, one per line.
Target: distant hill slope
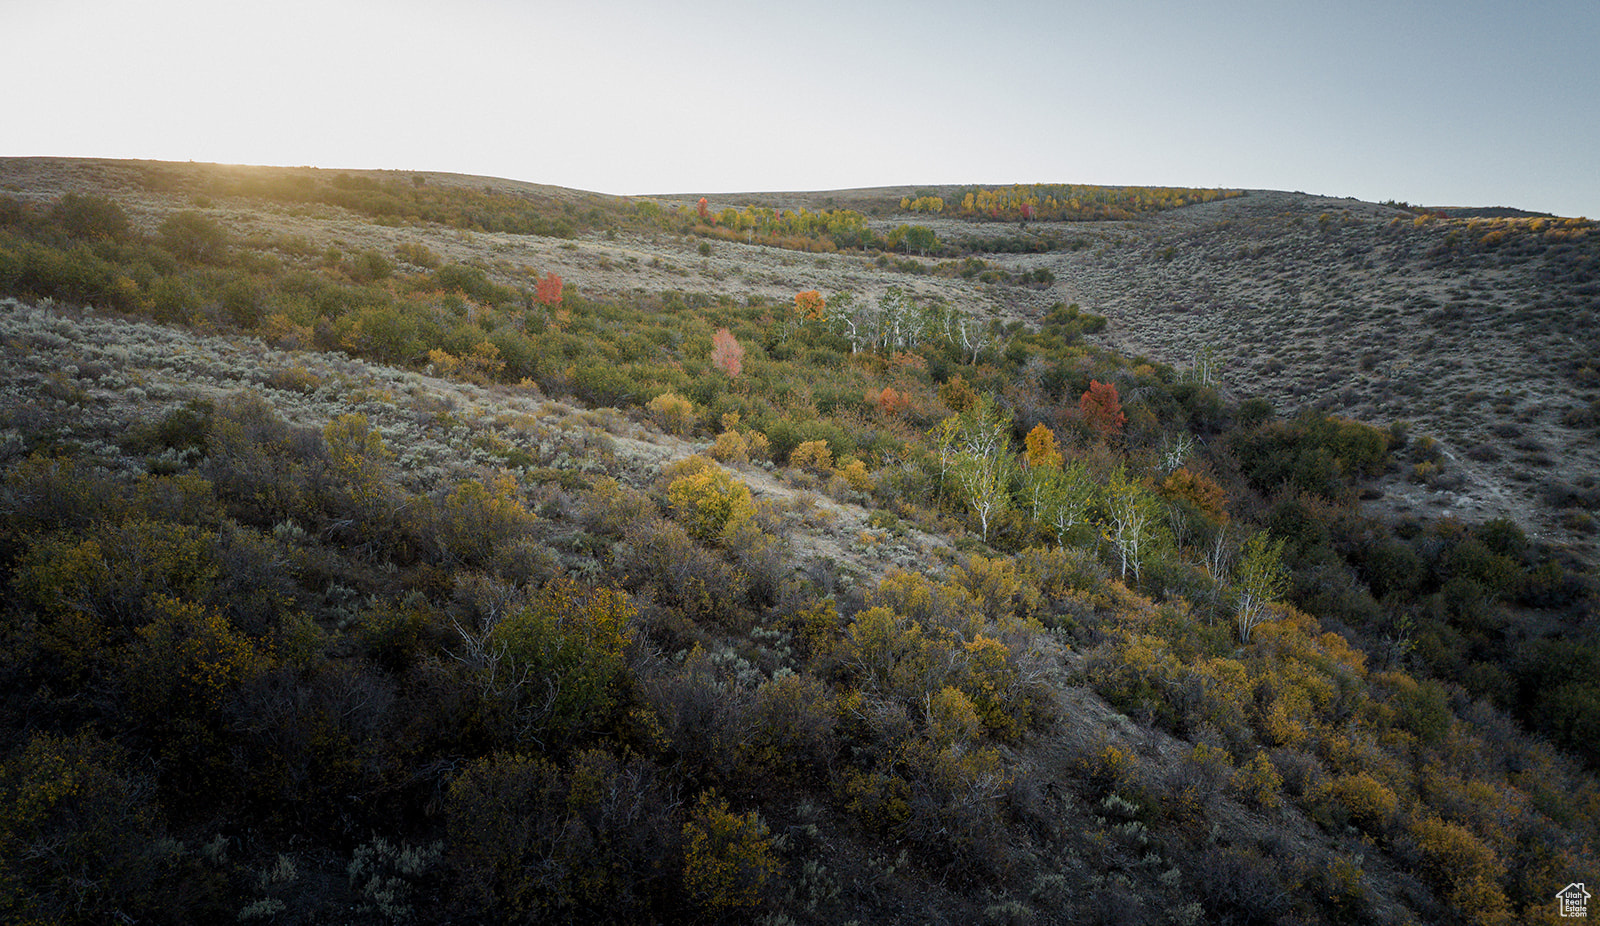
1483, 334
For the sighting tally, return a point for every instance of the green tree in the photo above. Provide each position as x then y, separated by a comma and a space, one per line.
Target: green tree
986, 481
561, 659
91, 216
976, 448
917, 238
1259, 581
194, 237
1060, 497
1132, 521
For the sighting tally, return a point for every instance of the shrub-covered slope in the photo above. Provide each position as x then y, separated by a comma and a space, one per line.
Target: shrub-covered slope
353, 572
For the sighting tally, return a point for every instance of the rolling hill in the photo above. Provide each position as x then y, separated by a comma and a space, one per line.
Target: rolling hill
394, 547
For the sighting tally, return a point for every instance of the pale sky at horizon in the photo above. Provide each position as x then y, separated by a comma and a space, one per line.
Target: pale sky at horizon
1437, 103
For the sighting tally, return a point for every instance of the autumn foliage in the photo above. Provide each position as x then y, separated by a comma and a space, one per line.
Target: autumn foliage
548, 290
1101, 408
1042, 451
709, 501
809, 304
1072, 203
728, 857
726, 353
510, 658
890, 402
672, 412
812, 456
1199, 491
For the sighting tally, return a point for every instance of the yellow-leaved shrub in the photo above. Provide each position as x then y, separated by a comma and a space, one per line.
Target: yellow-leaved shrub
672, 413
710, 503
727, 857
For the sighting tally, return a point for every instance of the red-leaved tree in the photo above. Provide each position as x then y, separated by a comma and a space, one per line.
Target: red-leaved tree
704, 208
726, 354
1102, 409
548, 290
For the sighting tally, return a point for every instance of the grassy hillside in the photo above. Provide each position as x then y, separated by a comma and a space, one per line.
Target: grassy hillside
384, 547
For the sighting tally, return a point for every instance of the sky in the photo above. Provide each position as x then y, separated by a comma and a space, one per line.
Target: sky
1433, 103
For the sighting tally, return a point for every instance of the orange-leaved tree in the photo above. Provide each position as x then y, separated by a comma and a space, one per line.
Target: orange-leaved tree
809, 305
1200, 491
703, 209
1102, 409
890, 402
